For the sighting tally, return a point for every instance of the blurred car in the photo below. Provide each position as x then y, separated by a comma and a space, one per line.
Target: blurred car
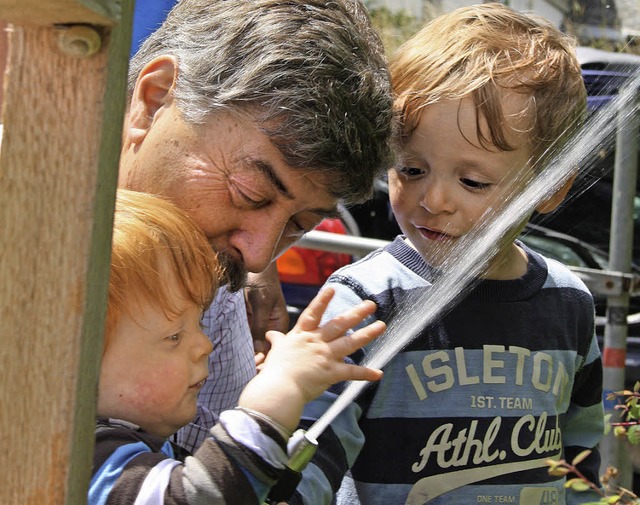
303, 271
586, 213
604, 72
576, 253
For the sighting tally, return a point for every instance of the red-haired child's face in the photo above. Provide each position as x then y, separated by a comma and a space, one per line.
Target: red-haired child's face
154, 367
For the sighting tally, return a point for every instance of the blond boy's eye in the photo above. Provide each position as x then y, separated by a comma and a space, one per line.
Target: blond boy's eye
174, 338
411, 171
475, 184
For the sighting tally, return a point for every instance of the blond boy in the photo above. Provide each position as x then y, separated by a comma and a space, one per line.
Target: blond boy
470, 410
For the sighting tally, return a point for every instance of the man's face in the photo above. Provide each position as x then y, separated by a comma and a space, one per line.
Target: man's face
232, 181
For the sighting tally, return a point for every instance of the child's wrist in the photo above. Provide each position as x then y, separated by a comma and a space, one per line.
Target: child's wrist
282, 430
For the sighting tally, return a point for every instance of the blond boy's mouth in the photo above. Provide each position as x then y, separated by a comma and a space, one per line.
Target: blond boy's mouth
434, 235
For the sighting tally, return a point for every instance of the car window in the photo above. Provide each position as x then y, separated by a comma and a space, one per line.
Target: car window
553, 249
601, 259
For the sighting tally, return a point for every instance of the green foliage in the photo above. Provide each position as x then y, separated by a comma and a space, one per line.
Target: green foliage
633, 434
629, 407
631, 46
579, 483
628, 426
394, 28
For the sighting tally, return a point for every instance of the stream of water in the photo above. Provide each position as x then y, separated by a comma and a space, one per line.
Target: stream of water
468, 260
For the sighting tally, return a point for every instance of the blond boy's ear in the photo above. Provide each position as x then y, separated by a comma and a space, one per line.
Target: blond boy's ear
153, 90
551, 203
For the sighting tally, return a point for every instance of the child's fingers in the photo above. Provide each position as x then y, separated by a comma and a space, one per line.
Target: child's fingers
310, 318
359, 373
259, 359
272, 336
348, 344
340, 324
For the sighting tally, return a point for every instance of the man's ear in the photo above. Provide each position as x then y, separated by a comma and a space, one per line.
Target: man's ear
552, 202
153, 90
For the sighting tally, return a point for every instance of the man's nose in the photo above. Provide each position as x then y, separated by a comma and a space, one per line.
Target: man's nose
262, 241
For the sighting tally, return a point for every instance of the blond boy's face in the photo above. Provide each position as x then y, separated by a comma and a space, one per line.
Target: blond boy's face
446, 181
154, 367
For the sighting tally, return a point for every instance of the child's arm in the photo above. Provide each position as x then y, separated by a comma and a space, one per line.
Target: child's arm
309, 359
245, 453
342, 440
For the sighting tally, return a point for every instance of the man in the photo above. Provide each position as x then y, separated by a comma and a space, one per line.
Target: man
256, 117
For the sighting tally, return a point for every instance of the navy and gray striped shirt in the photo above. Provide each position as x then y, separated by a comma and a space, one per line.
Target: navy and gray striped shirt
471, 408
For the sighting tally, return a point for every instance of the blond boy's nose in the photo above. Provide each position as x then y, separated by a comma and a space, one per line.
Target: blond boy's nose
436, 199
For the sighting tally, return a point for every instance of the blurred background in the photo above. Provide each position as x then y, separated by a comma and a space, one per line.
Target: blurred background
613, 25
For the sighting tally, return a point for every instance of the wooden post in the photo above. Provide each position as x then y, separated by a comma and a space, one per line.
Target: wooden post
3, 61
63, 108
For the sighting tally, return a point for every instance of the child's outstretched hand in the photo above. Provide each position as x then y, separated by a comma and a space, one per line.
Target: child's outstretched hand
309, 359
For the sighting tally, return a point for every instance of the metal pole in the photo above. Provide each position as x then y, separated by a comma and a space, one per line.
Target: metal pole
614, 450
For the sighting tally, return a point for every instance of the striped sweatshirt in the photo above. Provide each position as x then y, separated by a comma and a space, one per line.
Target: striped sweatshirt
237, 464
471, 408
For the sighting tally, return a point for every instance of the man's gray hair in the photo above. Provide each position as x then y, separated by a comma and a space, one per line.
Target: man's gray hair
311, 73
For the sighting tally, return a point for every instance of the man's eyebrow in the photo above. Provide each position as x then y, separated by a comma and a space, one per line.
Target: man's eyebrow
267, 170
332, 213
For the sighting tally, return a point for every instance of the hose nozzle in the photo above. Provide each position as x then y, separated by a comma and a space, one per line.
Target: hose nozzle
300, 449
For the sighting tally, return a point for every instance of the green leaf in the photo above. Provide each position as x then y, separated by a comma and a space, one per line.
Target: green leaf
556, 467
580, 457
620, 431
577, 484
633, 434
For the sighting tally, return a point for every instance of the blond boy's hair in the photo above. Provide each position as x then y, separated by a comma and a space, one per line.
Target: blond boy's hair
479, 51
149, 234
